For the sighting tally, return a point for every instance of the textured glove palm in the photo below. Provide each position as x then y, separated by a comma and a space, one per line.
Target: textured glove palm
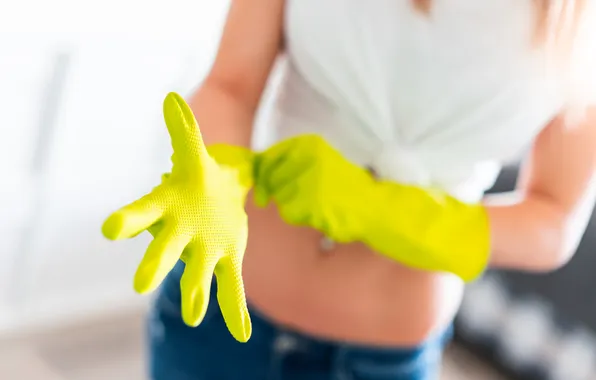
196, 214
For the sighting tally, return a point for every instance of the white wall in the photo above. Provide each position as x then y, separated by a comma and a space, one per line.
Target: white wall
81, 133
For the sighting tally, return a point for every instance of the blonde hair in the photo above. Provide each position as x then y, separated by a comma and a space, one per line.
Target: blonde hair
568, 36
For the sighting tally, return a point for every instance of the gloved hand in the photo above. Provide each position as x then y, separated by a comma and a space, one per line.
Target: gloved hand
313, 185
196, 214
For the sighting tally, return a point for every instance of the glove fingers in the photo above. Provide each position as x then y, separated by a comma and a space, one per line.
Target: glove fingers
231, 298
161, 256
264, 165
281, 194
190, 153
195, 285
132, 219
261, 195
295, 167
286, 193
293, 214
291, 206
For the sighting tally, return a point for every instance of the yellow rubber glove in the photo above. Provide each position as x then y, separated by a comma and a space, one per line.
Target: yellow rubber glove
314, 185
196, 214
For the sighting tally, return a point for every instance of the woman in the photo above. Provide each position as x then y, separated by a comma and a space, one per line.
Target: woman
427, 93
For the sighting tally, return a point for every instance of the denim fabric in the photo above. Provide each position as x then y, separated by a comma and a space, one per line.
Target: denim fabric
208, 352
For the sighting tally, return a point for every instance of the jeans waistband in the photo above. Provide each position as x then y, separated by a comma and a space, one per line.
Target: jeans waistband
285, 339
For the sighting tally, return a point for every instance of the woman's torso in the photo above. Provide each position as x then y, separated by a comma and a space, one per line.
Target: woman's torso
438, 100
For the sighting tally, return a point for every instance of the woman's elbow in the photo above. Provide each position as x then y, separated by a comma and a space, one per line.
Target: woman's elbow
553, 260
556, 249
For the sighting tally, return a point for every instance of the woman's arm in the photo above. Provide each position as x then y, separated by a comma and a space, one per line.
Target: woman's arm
429, 230
226, 103
539, 228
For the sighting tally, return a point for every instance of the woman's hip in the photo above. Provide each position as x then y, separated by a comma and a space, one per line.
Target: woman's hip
179, 352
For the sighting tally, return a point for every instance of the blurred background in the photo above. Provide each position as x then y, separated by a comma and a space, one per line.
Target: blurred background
81, 133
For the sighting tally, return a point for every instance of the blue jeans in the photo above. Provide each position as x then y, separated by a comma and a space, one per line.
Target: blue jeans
208, 352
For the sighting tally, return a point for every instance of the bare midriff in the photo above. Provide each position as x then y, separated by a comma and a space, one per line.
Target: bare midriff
348, 293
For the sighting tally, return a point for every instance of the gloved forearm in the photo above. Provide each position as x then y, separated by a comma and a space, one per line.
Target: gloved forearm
429, 230
314, 185
411, 225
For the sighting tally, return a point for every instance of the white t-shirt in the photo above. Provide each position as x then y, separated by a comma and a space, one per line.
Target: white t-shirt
439, 100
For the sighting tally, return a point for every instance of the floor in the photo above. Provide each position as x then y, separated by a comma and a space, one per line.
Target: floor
113, 349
